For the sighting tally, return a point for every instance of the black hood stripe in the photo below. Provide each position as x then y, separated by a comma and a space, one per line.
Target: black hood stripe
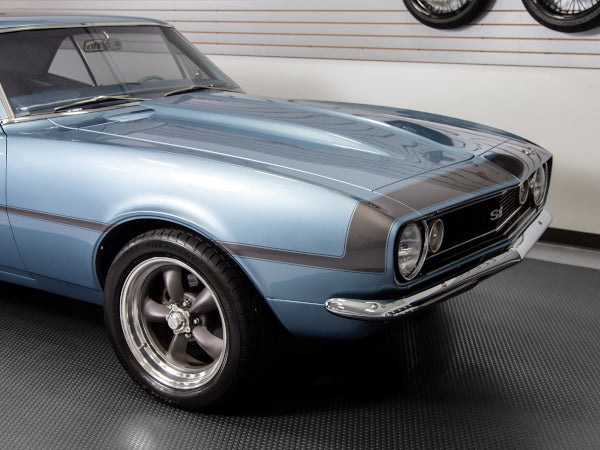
365, 245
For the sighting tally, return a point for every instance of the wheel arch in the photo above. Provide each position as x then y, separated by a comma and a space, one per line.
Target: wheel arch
119, 235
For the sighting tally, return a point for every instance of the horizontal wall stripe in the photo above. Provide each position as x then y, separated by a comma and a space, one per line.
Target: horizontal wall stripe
492, 45
202, 44
457, 63
240, 33
381, 30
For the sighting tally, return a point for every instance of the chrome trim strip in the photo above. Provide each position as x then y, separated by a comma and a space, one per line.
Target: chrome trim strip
6, 105
63, 220
383, 310
83, 25
66, 113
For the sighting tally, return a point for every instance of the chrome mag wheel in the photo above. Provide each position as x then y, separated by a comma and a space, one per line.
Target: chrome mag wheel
173, 323
184, 320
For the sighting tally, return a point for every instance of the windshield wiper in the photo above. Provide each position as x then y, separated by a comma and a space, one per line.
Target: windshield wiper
199, 87
97, 101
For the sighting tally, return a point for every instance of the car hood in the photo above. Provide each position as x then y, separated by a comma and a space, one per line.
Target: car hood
364, 146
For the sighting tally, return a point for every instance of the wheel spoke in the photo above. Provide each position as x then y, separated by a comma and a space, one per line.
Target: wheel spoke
177, 352
174, 284
203, 303
210, 343
154, 311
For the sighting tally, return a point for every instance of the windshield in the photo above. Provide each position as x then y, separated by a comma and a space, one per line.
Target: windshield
41, 70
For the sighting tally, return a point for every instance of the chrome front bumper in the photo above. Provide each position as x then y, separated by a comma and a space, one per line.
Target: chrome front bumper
385, 309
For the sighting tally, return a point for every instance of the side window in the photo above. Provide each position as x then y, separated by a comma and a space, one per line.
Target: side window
67, 63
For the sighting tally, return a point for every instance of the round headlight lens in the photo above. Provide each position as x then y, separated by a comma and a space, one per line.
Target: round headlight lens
537, 183
410, 251
523, 192
436, 236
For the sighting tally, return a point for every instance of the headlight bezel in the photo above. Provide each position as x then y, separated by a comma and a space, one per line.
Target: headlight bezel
423, 230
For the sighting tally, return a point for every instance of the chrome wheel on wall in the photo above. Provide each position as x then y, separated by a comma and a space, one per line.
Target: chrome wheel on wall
185, 323
565, 15
445, 13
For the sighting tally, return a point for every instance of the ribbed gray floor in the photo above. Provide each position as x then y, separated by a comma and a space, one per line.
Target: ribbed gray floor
514, 363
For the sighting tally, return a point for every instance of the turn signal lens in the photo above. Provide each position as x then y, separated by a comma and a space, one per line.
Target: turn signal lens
436, 236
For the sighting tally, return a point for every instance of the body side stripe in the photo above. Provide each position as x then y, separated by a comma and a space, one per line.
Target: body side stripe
80, 223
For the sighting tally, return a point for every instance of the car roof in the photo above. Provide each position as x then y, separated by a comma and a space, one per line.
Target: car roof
25, 19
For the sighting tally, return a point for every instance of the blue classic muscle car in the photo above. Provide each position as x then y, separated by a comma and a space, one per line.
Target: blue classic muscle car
135, 174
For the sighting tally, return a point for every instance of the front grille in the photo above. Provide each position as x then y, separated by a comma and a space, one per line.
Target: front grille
475, 225
472, 221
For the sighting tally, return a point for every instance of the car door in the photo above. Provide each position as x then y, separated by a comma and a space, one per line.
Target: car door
11, 266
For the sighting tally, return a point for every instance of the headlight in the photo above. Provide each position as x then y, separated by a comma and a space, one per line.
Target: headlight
411, 251
538, 185
436, 236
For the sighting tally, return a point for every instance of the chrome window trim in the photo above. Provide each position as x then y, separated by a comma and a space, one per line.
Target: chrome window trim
83, 24
6, 105
65, 113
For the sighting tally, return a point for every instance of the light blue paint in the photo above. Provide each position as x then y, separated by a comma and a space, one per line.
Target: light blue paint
312, 320
56, 251
10, 261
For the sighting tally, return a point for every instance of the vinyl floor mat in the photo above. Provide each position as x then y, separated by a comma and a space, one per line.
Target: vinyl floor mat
513, 363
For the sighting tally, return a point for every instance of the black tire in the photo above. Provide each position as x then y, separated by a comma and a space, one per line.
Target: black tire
560, 15
445, 13
186, 324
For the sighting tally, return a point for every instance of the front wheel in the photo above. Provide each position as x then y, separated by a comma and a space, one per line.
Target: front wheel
565, 15
184, 321
445, 13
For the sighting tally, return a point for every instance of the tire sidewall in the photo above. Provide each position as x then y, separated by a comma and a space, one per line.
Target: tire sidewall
215, 390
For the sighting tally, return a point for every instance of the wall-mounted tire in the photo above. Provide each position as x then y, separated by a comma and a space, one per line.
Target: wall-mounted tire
558, 14
445, 13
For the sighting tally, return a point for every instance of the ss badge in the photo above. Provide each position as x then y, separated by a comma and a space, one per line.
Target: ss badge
496, 214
